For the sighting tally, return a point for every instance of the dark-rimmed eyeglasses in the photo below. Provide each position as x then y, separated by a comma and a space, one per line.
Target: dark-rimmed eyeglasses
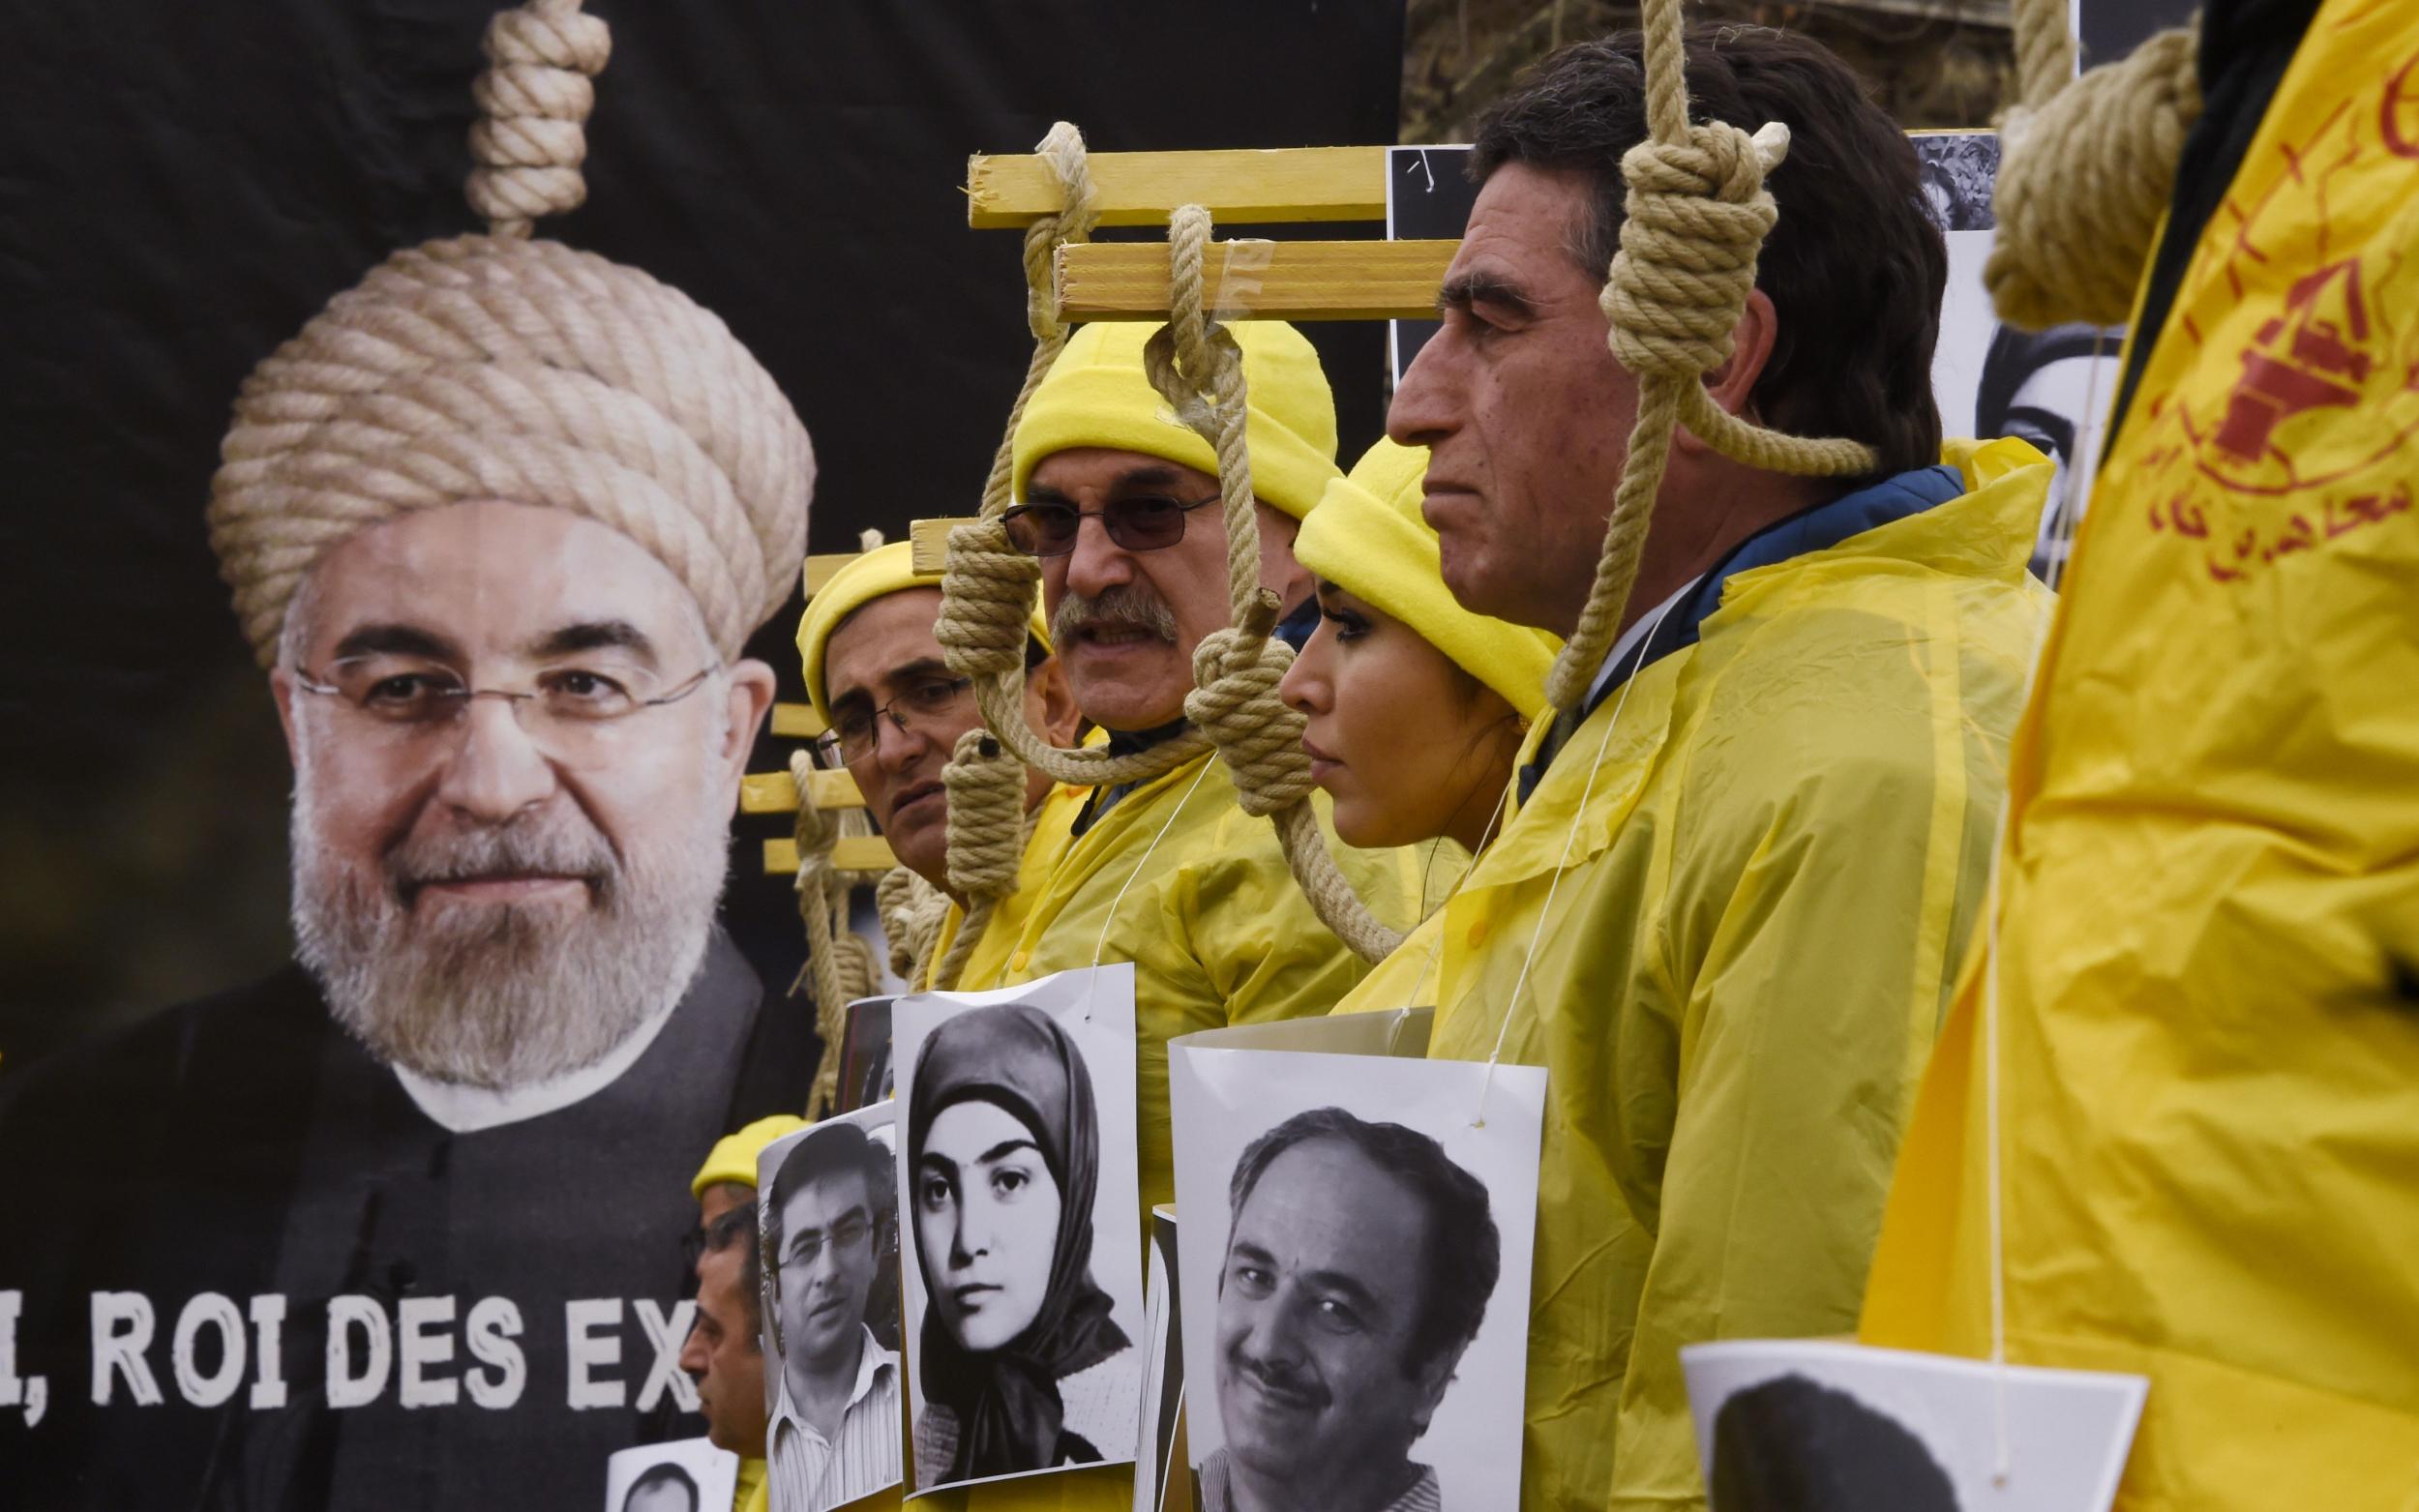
1143, 522
855, 729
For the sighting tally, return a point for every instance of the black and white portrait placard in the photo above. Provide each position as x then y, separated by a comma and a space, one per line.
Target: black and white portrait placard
828, 1252
684, 1475
1797, 1425
1018, 1196
1357, 1237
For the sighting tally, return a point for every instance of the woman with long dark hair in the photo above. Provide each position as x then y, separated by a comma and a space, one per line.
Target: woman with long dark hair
1019, 1364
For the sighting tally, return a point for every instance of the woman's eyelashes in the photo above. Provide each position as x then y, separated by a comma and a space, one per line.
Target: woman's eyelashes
1350, 624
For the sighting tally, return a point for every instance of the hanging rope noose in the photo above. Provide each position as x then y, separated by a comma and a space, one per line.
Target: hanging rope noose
987, 594
839, 962
1695, 219
1197, 368
2086, 167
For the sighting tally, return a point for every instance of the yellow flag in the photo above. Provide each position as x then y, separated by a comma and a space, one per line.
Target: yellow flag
2208, 953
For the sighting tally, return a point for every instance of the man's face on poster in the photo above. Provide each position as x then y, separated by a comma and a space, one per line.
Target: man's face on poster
826, 1266
499, 889
1317, 1314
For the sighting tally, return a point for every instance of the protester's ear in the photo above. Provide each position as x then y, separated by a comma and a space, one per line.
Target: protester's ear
1050, 704
1732, 385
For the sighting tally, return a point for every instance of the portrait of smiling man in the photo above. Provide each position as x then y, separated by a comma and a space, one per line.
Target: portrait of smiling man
501, 588
1358, 1269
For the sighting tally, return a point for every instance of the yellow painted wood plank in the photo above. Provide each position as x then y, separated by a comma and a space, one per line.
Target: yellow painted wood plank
773, 792
821, 569
1279, 281
930, 552
849, 854
1240, 187
796, 721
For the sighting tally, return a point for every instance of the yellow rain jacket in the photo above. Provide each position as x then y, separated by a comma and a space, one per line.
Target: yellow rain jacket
1738, 975
2208, 958
1180, 880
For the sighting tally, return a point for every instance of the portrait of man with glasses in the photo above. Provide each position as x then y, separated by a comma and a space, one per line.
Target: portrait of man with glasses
831, 1236
439, 1161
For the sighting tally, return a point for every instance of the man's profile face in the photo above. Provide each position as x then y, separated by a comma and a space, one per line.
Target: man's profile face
1524, 410
1317, 1308
826, 1266
1125, 623
504, 893
722, 1354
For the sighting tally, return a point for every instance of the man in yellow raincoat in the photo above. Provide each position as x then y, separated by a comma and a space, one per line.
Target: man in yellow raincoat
2207, 960
1122, 498
1727, 911
876, 675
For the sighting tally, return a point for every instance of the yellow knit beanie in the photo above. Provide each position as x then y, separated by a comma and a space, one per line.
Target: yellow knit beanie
733, 1156
1096, 393
1367, 538
879, 573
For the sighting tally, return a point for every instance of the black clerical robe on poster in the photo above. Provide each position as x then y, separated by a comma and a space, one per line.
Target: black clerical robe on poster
248, 1147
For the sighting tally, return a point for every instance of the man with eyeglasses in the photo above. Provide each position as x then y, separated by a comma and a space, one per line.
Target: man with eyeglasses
1119, 500
835, 1433
502, 582
876, 675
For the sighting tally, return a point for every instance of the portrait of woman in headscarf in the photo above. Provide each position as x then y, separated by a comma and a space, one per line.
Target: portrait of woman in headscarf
1019, 1363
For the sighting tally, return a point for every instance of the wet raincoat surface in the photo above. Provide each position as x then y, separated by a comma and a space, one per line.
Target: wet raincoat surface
1738, 975
2208, 955
1180, 880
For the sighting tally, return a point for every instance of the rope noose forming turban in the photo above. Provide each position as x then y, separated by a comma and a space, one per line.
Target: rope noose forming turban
502, 366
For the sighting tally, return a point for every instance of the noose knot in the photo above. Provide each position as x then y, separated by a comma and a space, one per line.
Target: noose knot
1695, 218
534, 98
986, 787
1236, 703
986, 601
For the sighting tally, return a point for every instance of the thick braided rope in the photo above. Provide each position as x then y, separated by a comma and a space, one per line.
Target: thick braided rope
988, 586
534, 100
494, 368
2086, 168
1696, 213
902, 902
987, 830
839, 964
1197, 368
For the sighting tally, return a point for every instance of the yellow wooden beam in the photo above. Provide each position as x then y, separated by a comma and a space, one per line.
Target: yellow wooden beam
849, 854
1278, 281
796, 721
931, 536
1240, 187
773, 792
821, 569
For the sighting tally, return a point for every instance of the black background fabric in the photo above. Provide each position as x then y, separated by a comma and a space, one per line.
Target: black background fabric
183, 185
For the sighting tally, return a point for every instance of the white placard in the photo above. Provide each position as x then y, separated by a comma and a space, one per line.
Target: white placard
684, 1475
1355, 1252
1821, 1426
1022, 1268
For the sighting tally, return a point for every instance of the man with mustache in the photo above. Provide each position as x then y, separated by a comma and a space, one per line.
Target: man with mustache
895, 710
1358, 1264
1119, 500
499, 521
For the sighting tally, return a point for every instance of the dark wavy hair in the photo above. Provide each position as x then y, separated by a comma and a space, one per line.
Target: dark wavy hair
1464, 1253
1854, 268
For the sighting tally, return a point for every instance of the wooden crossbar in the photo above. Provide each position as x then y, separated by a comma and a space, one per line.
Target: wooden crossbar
796, 721
1240, 187
849, 854
1278, 281
931, 536
773, 792
822, 568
